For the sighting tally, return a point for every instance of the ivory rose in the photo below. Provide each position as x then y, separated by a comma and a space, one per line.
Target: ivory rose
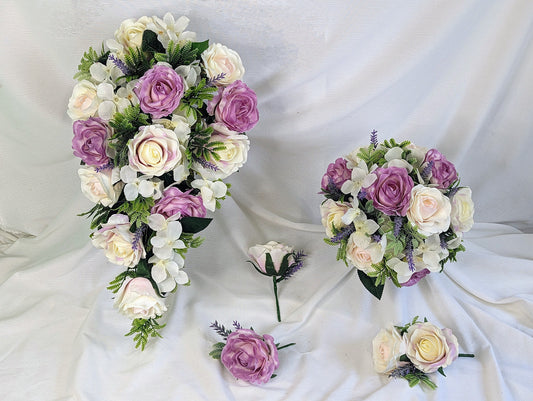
230, 158
102, 186
462, 213
84, 101
387, 347
277, 252
430, 348
130, 32
332, 213
154, 150
219, 59
429, 210
117, 240
364, 255
137, 300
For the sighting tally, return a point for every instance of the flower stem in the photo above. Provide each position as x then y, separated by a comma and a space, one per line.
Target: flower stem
275, 282
285, 346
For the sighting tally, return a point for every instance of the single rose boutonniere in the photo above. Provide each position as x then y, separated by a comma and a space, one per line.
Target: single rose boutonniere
278, 261
248, 356
415, 350
395, 211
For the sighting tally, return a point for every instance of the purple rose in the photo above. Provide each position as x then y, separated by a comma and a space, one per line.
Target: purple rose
159, 91
391, 191
443, 172
89, 142
235, 106
249, 356
176, 202
336, 174
416, 277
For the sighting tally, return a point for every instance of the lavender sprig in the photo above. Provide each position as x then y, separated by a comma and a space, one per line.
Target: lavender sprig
443, 243
137, 237
297, 265
206, 164
345, 232
374, 138
426, 172
409, 253
120, 64
237, 325
215, 79
362, 194
220, 329
398, 223
401, 371
105, 167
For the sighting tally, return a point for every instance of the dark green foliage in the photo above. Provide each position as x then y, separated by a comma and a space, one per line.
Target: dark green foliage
138, 62
138, 210
143, 329
99, 213
89, 58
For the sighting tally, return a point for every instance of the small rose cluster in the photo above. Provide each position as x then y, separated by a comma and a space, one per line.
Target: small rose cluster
414, 350
396, 211
248, 356
159, 122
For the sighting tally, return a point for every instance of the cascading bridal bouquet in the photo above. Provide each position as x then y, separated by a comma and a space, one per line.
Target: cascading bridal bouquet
159, 122
413, 351
395, 210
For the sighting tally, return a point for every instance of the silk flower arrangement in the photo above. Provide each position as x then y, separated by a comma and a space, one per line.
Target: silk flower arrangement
395, 211
159, 123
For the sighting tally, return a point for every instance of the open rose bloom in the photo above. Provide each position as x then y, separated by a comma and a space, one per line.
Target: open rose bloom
415, 350
156, 134
396, 211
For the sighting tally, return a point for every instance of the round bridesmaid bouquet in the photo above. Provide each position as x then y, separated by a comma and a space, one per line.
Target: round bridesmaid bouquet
396, 211
159, 122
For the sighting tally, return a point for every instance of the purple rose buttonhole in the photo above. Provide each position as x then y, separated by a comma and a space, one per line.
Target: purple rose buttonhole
247, 355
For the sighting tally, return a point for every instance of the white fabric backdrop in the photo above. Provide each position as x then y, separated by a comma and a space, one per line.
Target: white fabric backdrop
455, 75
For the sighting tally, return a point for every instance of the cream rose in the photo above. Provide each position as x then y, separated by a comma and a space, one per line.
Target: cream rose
84, 101
429, 210
137, 300
387, 347
462, 214
430, 348
363, 256
117, 240
155, 150
230, 159
102, 187
332, 213
130, 32
218, 59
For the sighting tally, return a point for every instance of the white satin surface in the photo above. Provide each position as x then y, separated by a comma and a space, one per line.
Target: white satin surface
455, 75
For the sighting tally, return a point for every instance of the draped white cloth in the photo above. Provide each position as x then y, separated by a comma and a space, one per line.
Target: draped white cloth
455, 75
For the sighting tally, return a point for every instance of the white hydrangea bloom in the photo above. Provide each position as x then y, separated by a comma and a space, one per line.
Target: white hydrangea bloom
210, 191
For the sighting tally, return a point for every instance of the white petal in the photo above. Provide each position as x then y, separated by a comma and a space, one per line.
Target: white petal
174, 229
157, 222
146, 188
127, 174
219, 189
158, 242
164, 252
159, 273
98, 72
181, 277
105, 91
106, 110
394, 153
168, 285
130, 192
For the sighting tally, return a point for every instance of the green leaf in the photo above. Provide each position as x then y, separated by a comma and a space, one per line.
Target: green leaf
200, 46
441, 371
150, 43
269, 265
193, 225
369, 284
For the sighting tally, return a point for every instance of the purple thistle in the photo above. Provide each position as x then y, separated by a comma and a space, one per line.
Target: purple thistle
206, 164
215, 79
409, 254
137, 237
426, 172
104, 167
398, 223
345, 232
220, 329
237, 325
374, 138
403, 370
297, 265
120, 64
